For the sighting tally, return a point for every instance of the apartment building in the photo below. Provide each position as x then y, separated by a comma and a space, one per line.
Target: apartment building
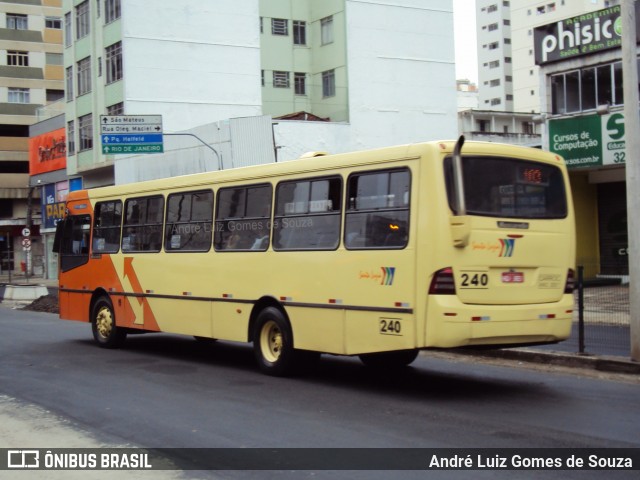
191, 62
382, 71
495, 60
509, 79
31, 76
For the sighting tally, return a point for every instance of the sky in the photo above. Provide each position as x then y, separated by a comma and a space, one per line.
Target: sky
464, 27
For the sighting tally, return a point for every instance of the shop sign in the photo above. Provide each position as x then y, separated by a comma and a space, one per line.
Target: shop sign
580, 35
53, 203
48, 152
589, 141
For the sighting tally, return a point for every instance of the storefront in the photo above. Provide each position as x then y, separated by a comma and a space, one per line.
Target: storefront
47, 173
581, 81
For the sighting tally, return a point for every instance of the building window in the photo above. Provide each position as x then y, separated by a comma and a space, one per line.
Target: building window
85, 129
279, 26
493, 26
494, 45
111, 10
300, 83
506, 21
17, 22
53, 22
116, 109
280, 79
82, 20
54, 95
494, 64
69, 83
262, 77
326, 30
586, 89
508, 78
494, 83
492, 8
507, 41
329, 83
71, 138
84, 76
527, 128
17, 58
18, 95
496, 101
68, 30
299, 32
507, 59
509, 98
114, 62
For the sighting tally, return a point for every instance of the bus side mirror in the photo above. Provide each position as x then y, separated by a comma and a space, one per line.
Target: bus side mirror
460, 230
57, 240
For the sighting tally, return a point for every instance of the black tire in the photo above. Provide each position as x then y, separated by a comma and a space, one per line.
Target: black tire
273, 343
103, 325
395, 359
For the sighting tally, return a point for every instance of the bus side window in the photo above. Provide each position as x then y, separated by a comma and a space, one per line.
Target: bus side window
307, 215
243, 217
188, 222
106, 227
74, 241
142, 229
378, 209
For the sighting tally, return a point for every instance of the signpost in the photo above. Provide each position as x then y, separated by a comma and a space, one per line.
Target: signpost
131, 134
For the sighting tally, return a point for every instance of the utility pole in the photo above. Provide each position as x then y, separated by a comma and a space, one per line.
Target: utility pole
632, 143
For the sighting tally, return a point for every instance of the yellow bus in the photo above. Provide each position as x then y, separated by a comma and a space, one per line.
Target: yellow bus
375, 253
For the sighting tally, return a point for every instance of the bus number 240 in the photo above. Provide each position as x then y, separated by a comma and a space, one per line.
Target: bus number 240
390, 326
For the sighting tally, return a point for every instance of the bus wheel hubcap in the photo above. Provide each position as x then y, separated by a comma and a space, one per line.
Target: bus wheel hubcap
271, 341
104, 322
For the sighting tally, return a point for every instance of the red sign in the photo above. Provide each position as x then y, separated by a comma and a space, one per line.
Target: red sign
48, 152
512, 277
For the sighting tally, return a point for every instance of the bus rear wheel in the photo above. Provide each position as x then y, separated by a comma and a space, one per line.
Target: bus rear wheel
396, 359
273, 343
103, 325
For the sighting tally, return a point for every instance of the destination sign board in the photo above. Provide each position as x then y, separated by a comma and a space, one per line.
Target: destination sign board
131, 134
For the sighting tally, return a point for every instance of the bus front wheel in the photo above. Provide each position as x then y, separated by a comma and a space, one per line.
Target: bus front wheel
273, 343
396, 359
103, 325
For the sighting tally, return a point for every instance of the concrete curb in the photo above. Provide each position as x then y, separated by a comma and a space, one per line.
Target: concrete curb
593, 362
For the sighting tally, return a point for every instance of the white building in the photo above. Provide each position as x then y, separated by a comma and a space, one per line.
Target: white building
495, 74
199, 63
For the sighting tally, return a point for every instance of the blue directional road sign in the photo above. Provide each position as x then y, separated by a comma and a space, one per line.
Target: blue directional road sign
131, 134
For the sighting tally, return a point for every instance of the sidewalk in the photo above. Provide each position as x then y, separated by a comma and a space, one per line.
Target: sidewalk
20, 279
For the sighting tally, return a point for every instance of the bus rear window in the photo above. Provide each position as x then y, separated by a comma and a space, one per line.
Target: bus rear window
509, 187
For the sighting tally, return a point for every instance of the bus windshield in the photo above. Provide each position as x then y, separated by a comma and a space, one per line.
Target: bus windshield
508, 187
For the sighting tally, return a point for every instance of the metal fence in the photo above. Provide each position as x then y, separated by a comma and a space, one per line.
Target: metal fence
601, 318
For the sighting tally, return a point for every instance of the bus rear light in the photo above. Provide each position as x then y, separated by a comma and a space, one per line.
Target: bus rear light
571, 282
443, 282
480, 319
547, 316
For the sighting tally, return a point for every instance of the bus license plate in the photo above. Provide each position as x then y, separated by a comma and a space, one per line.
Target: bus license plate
512, 277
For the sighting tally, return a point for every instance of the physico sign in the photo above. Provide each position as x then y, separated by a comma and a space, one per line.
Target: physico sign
580, 35
589, 141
